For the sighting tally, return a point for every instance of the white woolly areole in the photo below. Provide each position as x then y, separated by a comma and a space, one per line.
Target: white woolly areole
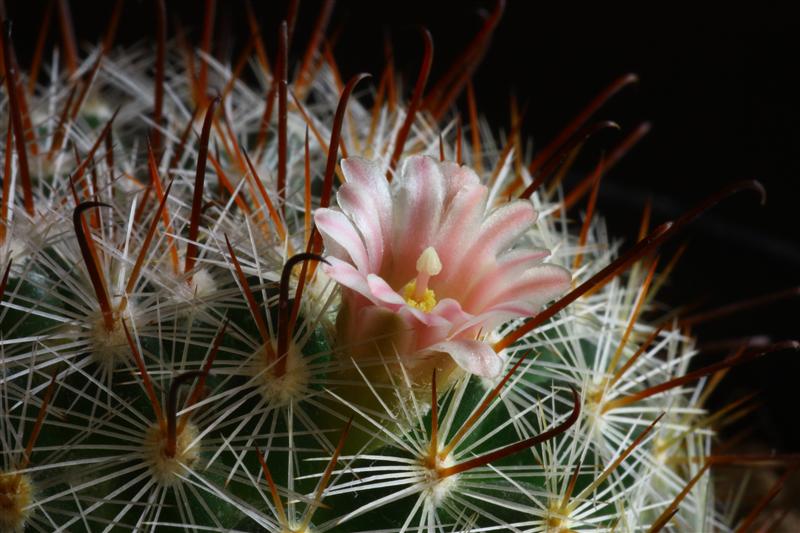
23, 238
202, 285
16, 497
12, 250
437, 487
110, 346
296, 527
291, 386
167, 470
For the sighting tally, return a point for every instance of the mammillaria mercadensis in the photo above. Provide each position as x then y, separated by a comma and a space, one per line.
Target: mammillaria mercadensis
427, 253
195, 336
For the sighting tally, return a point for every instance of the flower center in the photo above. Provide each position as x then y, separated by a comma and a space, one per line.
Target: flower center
416, 292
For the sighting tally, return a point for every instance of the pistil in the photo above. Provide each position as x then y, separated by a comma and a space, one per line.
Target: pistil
428, 265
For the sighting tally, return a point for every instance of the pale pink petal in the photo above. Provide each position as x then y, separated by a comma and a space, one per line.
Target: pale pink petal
359, 207
438, 324
425, 319
536, 286
450, 310
369, 176
384, 293
456, 178
498, 231
418, 197
333, 248
522, 258
510, 266
345, 274
459, 228
489, 319
511, 309
337, 229
428, 329
504, 225
524, 297
475, 357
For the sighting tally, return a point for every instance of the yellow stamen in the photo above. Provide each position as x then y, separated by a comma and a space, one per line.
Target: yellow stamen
425, 303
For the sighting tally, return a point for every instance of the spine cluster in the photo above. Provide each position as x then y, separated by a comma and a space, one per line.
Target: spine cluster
173, 346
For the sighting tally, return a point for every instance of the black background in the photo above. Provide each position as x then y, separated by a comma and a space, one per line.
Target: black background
720, 88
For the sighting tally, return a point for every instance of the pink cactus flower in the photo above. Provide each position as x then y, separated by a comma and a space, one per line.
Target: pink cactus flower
428, 250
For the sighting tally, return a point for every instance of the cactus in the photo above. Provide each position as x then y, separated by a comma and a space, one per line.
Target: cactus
211, 322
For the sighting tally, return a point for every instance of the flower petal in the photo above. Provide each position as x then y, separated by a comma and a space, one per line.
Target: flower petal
370, 177
367, 174
506, 272
493, 317
456, 178
384, 293
341, 238
525, 297
361, 210
475, 357
536, 286
522, 258
427, 319
459, 228
504, 225
418, 199
345, 274
451, 310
